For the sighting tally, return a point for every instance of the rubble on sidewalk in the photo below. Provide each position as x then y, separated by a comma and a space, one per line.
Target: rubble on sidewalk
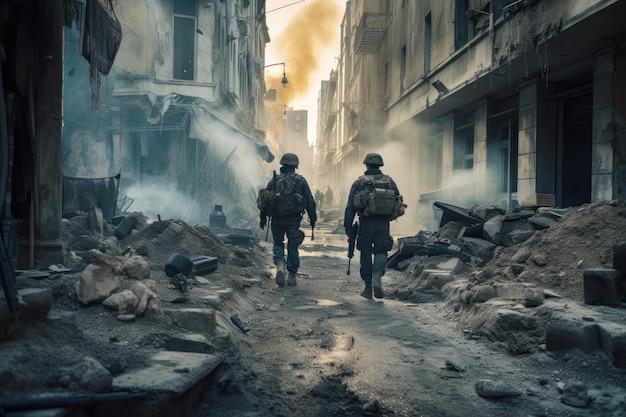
497, 270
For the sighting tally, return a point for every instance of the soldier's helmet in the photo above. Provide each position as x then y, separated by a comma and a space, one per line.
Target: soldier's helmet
289, 159
373, 159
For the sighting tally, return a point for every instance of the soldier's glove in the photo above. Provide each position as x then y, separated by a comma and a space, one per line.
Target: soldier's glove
263, 222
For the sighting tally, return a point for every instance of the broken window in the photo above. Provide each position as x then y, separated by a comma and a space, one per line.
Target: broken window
508, 156
461, 30
184, 22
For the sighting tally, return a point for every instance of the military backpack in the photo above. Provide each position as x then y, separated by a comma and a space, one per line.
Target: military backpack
280, 198
378, 199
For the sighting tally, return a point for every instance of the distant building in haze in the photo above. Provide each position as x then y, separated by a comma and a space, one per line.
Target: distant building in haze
294, 138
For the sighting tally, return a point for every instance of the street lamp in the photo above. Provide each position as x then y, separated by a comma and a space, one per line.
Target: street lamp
284, 81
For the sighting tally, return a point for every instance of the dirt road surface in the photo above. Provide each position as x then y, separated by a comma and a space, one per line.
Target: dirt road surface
320, 349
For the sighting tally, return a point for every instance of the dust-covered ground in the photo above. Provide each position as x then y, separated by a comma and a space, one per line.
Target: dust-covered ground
319, 349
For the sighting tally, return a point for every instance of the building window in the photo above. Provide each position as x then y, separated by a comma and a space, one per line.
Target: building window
185, 15
464, 142
508, 157
435, 155
460, 23
402, 67
427, 43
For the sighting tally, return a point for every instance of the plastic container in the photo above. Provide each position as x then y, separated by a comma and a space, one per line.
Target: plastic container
204, 265
178, 263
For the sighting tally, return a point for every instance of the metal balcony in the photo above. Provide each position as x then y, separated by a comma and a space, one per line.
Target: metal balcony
370, 32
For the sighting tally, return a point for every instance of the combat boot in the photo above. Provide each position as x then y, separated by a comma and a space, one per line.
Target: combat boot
281, 271
378, 287
367, 292
291, 280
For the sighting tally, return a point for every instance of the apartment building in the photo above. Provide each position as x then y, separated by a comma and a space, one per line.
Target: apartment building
179, 117
476, 101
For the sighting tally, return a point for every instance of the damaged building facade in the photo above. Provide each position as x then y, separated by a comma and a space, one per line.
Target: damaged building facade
503, 102
163, 97
179, 119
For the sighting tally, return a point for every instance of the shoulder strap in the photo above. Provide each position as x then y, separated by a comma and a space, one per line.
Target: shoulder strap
366, 179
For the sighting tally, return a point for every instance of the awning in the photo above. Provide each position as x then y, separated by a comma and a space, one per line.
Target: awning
257, 146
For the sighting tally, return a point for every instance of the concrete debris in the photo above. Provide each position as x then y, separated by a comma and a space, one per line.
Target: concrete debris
574, 393
495, 389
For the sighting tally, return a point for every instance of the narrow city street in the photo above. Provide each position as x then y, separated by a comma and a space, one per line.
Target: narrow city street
320, 349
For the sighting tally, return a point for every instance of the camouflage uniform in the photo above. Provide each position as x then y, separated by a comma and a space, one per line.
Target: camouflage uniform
373, 238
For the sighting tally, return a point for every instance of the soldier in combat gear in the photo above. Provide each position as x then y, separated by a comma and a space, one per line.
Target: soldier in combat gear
373, 237
288, 224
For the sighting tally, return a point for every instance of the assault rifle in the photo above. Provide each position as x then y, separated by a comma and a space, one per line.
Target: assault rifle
354, 231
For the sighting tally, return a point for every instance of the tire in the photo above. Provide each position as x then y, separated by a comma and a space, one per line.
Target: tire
178, 263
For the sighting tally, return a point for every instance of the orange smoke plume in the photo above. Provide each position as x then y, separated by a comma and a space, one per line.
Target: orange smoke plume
313, 29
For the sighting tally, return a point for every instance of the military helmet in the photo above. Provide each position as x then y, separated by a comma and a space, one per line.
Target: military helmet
289, 159
373, 159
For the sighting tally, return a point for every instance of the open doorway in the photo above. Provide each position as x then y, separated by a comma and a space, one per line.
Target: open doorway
574, 148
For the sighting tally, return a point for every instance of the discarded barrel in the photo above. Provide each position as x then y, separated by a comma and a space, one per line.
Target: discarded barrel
178, 263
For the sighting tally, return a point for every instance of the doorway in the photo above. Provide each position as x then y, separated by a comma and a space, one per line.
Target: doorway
574, 146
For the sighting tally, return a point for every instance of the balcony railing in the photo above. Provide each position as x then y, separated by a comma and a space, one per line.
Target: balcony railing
370, 32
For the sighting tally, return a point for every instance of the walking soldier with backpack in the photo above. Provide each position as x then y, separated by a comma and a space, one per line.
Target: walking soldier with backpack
375, 198
285, 200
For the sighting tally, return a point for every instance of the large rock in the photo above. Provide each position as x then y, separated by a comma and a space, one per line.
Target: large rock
136, 267
124, 302
95, 284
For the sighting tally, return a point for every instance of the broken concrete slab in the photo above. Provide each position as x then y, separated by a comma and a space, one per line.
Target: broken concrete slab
572, 334
513, 290
588, 328
193, 342
601, 287
173, 372
613, 342
201, 320
35, 304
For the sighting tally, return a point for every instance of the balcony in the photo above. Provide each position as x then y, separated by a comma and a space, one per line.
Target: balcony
370, 32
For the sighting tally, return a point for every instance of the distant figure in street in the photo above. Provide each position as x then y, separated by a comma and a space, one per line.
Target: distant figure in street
328, 197
294, 197
373, 235
319, 198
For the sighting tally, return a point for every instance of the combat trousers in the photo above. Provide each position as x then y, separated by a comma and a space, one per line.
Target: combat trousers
373, 240
288, 227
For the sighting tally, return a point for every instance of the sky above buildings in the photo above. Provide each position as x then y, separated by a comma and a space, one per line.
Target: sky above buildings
305, 36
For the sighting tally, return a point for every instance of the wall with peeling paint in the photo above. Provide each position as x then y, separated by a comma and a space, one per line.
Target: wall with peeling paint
525, 70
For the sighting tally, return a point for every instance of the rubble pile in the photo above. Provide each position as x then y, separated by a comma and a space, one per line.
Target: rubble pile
113, 305
545, 246
497, 279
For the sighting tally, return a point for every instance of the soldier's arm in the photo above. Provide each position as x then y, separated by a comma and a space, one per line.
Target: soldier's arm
310, 201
